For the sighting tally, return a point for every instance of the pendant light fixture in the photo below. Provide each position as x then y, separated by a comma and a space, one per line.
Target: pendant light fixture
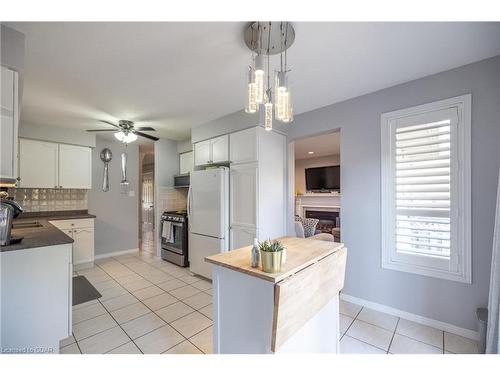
265, 39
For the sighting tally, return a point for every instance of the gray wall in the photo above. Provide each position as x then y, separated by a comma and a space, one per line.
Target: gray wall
231, 123
166, 167
56, 134
184, 146
359, 121
117, 222
12, 48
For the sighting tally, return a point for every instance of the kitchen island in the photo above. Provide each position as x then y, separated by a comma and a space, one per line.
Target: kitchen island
295, 310
36, 284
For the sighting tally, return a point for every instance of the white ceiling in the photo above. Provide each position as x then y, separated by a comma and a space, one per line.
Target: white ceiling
173, 76
321, 145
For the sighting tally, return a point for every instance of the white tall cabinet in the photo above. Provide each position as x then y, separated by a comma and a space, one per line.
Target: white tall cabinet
52, 165
257, 186
9, 123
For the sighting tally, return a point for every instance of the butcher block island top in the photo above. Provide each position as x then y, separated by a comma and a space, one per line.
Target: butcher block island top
300, 253
295, 310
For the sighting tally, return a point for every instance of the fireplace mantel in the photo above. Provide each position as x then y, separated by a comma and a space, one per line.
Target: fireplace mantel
319, 202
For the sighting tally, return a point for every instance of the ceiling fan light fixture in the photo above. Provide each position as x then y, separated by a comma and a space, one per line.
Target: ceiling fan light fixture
126, 137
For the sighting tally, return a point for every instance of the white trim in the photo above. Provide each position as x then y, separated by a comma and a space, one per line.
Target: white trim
469, 333
115, 253
459, 268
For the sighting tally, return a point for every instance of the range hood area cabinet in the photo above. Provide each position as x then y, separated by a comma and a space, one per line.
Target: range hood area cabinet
9, 103
54, 165
212, 151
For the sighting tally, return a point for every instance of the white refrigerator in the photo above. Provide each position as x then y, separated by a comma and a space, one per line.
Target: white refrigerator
208, 217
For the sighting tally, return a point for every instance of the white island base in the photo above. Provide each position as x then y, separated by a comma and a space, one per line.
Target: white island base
296, 311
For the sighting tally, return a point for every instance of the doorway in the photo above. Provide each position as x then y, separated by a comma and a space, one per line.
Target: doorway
146, 202
314, 186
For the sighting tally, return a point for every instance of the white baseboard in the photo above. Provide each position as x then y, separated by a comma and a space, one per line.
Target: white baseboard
116, 253
412, 317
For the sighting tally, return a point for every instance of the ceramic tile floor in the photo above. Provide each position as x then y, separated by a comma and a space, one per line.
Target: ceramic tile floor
147, 306
151, 306
365, 331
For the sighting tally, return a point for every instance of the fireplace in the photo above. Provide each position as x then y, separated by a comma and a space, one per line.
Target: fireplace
327, 219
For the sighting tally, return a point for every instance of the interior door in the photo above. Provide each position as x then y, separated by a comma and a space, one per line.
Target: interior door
38, 164
207, 203
147, 199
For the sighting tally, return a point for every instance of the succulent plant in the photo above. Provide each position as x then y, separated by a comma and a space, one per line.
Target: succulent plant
271, 246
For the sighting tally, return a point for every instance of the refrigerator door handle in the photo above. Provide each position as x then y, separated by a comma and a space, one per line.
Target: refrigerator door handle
189, 207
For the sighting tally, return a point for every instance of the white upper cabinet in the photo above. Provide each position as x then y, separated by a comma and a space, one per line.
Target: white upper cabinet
38, 164
52, 165
243, 146
212, 151
9, 125
186, 162
202, 153
75, 167
220, 149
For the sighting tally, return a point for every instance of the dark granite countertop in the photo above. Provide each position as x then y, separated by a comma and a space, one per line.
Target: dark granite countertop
44, 234
56, 215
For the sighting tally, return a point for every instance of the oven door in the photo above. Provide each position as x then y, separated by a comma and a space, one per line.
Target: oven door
176, 243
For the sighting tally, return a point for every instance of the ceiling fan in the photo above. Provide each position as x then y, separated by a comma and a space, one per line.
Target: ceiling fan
126, 132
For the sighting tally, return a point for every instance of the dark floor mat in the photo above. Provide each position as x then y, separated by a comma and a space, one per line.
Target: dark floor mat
83, 291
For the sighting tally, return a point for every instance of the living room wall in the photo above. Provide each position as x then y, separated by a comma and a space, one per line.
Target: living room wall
359, 120
302, 164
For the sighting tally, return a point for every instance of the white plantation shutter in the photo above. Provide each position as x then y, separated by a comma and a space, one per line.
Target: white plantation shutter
421, 191
422, 181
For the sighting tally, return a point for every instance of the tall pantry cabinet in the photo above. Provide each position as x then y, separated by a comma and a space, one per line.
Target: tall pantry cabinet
257, 186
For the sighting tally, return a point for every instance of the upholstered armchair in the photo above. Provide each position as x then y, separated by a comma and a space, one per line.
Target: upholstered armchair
306, 228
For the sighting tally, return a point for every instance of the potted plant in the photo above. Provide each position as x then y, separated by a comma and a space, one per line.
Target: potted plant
271, 254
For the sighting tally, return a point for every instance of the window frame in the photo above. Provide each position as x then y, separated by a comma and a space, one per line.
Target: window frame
458, 268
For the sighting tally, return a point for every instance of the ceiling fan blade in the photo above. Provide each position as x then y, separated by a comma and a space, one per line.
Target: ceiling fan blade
145, 128
109, 123
101, 130
146, 136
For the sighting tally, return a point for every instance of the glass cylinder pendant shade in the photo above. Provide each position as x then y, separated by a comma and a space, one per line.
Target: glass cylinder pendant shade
283, 100
268, 113
259, 79
251, 104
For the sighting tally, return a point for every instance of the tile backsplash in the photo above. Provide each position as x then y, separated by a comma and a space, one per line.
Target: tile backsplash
172, 199
36, 200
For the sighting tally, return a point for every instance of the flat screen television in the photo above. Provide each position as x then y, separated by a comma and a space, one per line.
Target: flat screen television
323, 178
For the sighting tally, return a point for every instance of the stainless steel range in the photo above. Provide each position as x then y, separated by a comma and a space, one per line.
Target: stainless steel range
174, 237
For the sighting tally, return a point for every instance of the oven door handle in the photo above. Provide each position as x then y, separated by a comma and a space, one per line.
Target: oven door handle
189, 199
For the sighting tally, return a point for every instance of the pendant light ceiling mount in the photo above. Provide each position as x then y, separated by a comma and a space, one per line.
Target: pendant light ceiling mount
258, 39
265, 39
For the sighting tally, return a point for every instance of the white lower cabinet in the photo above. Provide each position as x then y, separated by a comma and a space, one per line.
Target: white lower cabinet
82, 232
241, 236
36, 299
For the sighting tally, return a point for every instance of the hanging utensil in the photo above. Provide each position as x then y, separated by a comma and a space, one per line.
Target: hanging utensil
124, 183
106, 157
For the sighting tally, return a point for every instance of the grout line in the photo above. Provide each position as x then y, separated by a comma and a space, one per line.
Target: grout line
393, 334
186, 338
364, 342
